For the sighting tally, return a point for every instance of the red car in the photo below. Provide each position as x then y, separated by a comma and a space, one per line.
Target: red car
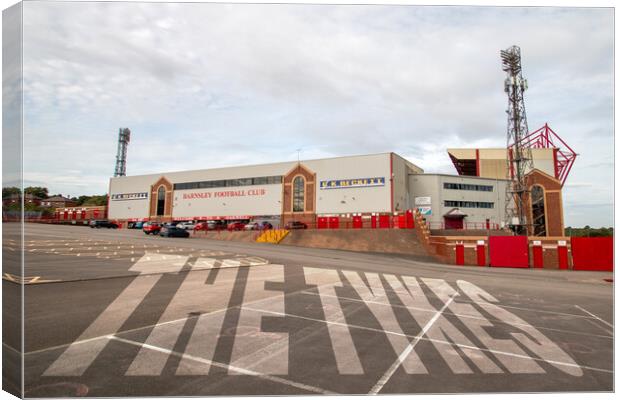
152, 228
201, 226
295, 225
235, 226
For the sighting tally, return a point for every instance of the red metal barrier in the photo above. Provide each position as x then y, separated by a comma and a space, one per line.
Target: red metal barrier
537, 255
334, 222
321, 223
509, 251
410, 220
460, 254
384, 221
562, 255
357, 222
593, 253
481, 256
402, 221
373, 221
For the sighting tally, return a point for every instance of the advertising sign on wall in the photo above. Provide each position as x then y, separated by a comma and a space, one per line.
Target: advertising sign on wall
129, 196
423, 201
352, 183
424, 210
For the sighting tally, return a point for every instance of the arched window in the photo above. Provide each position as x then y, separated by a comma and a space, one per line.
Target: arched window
299, 194
538, 210
161, 200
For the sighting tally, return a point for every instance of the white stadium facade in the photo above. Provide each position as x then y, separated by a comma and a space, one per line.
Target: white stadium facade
343, 187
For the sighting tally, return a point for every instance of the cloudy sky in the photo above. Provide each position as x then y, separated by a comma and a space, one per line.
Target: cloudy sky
209, 85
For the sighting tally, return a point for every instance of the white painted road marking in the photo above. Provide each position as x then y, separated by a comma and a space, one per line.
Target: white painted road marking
344, 349
401, 358
266, 353
243, 371
588, 312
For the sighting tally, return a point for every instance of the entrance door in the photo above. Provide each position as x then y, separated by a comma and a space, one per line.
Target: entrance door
453, 223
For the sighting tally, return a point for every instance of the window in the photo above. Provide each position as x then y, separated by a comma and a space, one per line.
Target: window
467, 186
298, 194
263, 180
467, 204
538, 211
161, 200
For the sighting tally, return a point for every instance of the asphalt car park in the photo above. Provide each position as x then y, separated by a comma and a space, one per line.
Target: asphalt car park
164, 316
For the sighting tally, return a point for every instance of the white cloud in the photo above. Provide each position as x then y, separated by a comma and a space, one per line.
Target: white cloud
205, 85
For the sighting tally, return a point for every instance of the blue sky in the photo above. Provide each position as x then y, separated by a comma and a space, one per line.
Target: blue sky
209, 85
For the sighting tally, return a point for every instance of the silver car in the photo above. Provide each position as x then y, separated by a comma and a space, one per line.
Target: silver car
186, 225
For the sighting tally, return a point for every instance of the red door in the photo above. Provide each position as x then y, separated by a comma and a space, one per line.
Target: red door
509, 251
334, 222
410, 223
453, 223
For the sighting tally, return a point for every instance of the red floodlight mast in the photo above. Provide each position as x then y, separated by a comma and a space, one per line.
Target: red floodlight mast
546, 138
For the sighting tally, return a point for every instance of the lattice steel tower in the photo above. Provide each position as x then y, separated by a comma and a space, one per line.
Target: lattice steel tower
519, 158
121, 153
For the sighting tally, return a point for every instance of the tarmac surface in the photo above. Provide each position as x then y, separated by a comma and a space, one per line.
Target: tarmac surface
120, 313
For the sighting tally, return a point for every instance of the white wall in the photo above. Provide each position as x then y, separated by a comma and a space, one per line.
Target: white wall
328, 201
228, 201
130, 209
353, 199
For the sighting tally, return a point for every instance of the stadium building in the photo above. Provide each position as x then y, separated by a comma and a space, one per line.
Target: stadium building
343, 187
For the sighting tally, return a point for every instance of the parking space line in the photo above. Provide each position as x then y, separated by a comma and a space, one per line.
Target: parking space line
147, 326
588, 312
388, 374
243, 371
504, 306
464, 346
463, 315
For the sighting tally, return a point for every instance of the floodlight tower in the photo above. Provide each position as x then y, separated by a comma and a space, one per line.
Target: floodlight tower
519, 157
121, 153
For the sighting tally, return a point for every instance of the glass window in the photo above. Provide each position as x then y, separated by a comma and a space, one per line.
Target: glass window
538, 211
161, 200
298, 194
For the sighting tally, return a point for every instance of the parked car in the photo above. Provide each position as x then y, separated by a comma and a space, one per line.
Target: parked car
201, 226
186, 225
295, 225
138, 225
252, 226
265, 225
235, 226
173, 231
216, 225
152, 228
103, 224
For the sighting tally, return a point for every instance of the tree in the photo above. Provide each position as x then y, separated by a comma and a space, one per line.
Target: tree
97, 200
38, 191
9, 191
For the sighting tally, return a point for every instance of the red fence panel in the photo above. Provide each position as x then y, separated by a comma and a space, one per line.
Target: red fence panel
509, 251
334, 222
410, 220
321, 223
562, 257
357, 222
593, 253
481, 256
384, 221
537, 255
373, 221
460, 254
402, 221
